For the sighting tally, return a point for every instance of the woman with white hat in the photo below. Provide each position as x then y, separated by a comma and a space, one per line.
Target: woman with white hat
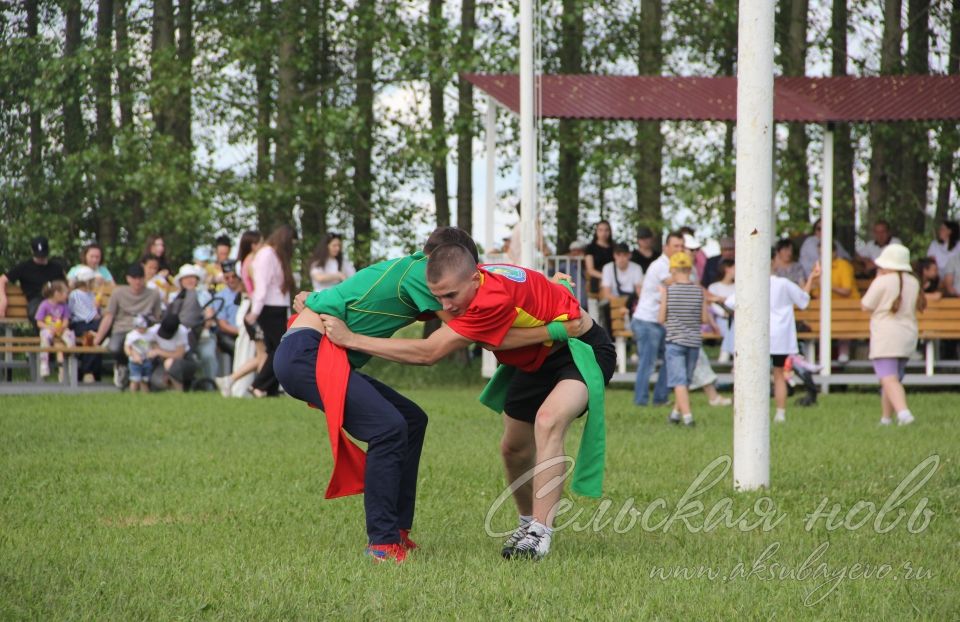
893, 299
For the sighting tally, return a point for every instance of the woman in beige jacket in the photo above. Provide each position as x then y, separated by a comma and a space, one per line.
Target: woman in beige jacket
893, 299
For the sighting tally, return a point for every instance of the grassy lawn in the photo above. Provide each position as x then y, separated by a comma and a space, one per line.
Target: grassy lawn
190, 506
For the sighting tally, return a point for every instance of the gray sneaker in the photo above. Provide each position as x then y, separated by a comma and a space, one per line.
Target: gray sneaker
510, 545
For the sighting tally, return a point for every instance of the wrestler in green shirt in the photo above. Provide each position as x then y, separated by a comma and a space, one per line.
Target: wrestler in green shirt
379, 300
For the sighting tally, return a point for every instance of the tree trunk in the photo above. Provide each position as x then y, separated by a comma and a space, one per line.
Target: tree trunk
844, 204
262, 73
792, 35
649, 144
125, 97
915, 152
36, 123
73, 131
183, 113
103, 70
73, 134
568, 174
124, 86
883, 138
363, 143
949, 138
285, 168
315, 84
468, 26
162, 62
438, 130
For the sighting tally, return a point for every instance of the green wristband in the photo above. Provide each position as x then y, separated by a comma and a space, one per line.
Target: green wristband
557, 331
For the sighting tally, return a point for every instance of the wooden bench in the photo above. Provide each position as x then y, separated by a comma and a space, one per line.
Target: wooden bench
620, 327
29, 345
940, 320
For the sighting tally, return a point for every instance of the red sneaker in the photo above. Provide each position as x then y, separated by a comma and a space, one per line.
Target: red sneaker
386, 552
405, 540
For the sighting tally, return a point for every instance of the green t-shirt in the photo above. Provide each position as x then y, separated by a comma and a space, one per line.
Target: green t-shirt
379, 300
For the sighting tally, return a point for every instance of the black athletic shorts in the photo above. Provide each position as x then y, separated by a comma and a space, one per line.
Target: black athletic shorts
528, 390
778, 360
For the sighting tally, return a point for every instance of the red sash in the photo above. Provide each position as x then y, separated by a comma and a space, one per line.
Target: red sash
349, 461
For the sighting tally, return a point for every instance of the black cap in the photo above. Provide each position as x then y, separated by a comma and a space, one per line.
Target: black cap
168, 327
40, 246
643, 233
229, 265
135, 270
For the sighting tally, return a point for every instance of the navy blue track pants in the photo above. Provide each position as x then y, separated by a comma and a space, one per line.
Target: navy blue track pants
392, 426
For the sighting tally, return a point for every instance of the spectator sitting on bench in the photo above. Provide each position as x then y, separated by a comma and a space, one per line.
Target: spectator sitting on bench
156, 247
228, 325
621, 277
126, 303
843, 284
175, 370
85, 320
869, 252
221, 255
154, 280
190, 305
930, 279
32, 275
810, 249
53, 322
137, 345
90, 257
950, 279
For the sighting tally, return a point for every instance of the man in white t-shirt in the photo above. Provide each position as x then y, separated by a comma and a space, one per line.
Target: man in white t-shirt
872, 249
172, 345
621, 277
647, 331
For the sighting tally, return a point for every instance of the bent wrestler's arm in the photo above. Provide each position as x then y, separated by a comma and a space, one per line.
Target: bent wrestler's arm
427, 351
520, 337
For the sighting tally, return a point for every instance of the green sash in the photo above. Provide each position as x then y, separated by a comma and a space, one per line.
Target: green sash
588, 471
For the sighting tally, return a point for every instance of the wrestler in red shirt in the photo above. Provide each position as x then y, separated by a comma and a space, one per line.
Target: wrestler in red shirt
484, 303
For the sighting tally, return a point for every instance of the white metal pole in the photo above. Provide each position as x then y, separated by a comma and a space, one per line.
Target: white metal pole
751, 420
528, 145
489, 362
826, 252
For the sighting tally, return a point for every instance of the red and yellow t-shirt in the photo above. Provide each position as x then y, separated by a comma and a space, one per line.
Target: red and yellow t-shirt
511, 296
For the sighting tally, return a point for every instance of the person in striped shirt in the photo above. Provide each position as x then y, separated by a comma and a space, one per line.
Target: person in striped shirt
682, 312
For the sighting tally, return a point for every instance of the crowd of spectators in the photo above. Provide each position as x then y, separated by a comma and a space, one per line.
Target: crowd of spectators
214, 318
220, 318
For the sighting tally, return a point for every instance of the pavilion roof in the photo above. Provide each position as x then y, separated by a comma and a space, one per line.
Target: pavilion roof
809, 100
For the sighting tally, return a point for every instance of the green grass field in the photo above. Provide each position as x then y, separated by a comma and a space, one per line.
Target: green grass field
189, 506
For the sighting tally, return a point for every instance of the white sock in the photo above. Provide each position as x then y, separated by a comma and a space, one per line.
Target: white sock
525, 520
687, 418
781, 413
904, 414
